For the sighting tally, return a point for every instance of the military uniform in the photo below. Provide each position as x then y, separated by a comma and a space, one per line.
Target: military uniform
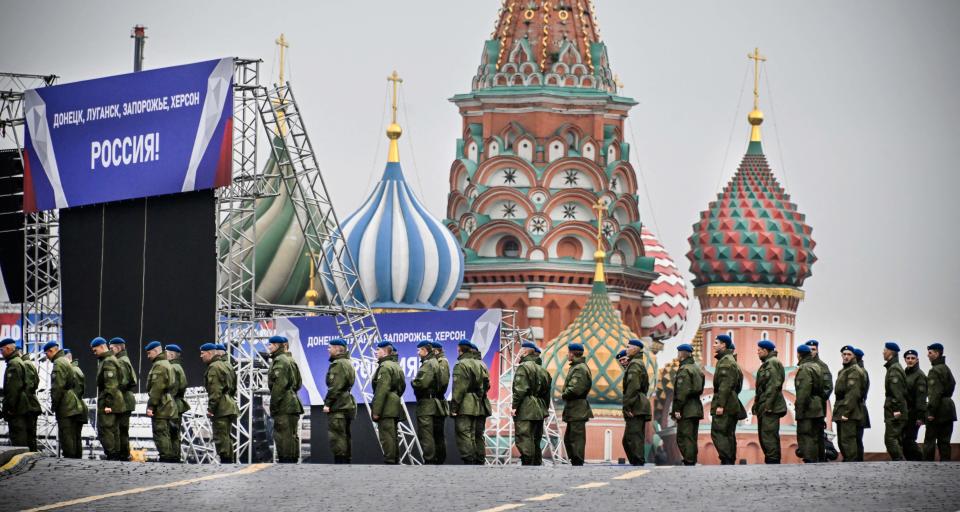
176, 423
470, 406
528, 409
129, 387
769, 406
20, 405
826, 390
636, 410
220, 381
917, 404
387, 408
428, 407
285, 382
895, 388
342, 406
67, 406
687, 388
110, 394
849, 404
576, 409
543, 396
809, 408
865, 424
161, 389
727, 383
439, 421
940, 406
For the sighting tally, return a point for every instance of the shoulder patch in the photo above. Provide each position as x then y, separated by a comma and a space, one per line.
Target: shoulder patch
108, 373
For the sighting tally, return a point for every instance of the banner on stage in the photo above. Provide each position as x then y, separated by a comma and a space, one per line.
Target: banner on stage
129, 136
309, 338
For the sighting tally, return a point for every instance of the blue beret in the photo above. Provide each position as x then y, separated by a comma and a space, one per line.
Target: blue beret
890, 345
685, 348
277, 339
118, 341
464, 343
207, 346
385, 344
803, 349
437, 345
528, 344
575, 347
96, 342
173, 348
911, 352
475, 347
67, 351
859, 353
424, 344
7, 341
935, 346
50, 344
766, 345
152, 345
621, 354
337, 342
812, 343
635, 343
850, 348
221, 346
726, 339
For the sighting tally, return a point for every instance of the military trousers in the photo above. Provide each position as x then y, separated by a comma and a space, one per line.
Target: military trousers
860, 452
108, 431
847, 432
575, 441
893, 435
23, 430
339, 436
68, 433
634, 440
389, 443
440, 439
472, 447
809, 437
769, 433
538, 443
163, 439
687, 431
937, 438
286, 437
723, 432
524, 432
479, 441
222, 439
911, 450
176, 430
425, 433
123, 428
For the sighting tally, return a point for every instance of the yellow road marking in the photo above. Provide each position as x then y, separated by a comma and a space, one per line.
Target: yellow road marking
591, 485
14, 461
501, 508
632, 474
79, 501
544, 497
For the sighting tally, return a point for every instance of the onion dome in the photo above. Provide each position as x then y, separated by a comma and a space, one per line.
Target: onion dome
406, 259
667, 295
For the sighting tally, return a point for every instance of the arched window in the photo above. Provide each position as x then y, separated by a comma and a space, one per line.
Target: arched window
510, 247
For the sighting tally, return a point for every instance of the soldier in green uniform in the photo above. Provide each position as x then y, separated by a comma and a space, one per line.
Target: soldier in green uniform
67, 406
75, 365
176, 423
941, 411
576, 408
20, 405
636, 404
469, 404
387, 408
848, 408
726, 408
865, 423
687, 409
110, 401
808, 407
916, 404
339, 404
128, 385
895, 411
428, 408
161, 404
285, 382
826, 391
220, 381
527, 409
768, 404
439, 421
544, 397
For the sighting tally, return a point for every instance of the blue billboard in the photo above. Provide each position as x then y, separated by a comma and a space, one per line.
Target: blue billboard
141, 134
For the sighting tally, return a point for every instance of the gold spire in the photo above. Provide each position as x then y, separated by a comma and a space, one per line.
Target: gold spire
283, 44
394, 131
312, 294
600, 255
279, 104
755, 118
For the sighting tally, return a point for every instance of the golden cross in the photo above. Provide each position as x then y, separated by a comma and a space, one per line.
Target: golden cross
282, 43
600, 208
757, 59
395, 78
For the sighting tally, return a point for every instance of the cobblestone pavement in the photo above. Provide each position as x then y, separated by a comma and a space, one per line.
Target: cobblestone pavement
876, 486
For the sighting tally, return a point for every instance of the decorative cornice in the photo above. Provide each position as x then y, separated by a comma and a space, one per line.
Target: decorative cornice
747, 291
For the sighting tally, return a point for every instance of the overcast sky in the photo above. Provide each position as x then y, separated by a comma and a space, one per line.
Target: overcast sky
860, 98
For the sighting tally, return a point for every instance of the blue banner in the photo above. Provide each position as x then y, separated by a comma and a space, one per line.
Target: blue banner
141, 134
309, 338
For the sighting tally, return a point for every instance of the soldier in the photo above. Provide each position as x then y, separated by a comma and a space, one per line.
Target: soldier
20, 405
428, 407
809, 405
387, 408
916, 404
848, 409
176, 423
769, 405
339, 403
576, 409
439, 421
220, 381
636, 404
623, 359
161, 405
527, 409
544, 397
941, 411
128, 384
827, 390
687, 408
111, 404
726, 408
79, 382
895, 411
469, 404
285, 407
67, 406
865, 423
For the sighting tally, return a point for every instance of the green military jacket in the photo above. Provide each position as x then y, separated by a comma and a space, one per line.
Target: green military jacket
109, 385
636, 385
79, 383
727, 383
425, 387
471, 381
340, 378
687, 389
866, 391
940, 388
443, 383
284, 382
916, 393
826, 387
769, 397
528, 384
182, 405
20, 382
220, 381
544, 393
808, 383
388, 388
162, 388
576, 388
849, 391
128, 384
895, 389
63, 387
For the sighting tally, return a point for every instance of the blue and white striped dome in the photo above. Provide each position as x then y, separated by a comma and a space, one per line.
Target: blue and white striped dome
406, 259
